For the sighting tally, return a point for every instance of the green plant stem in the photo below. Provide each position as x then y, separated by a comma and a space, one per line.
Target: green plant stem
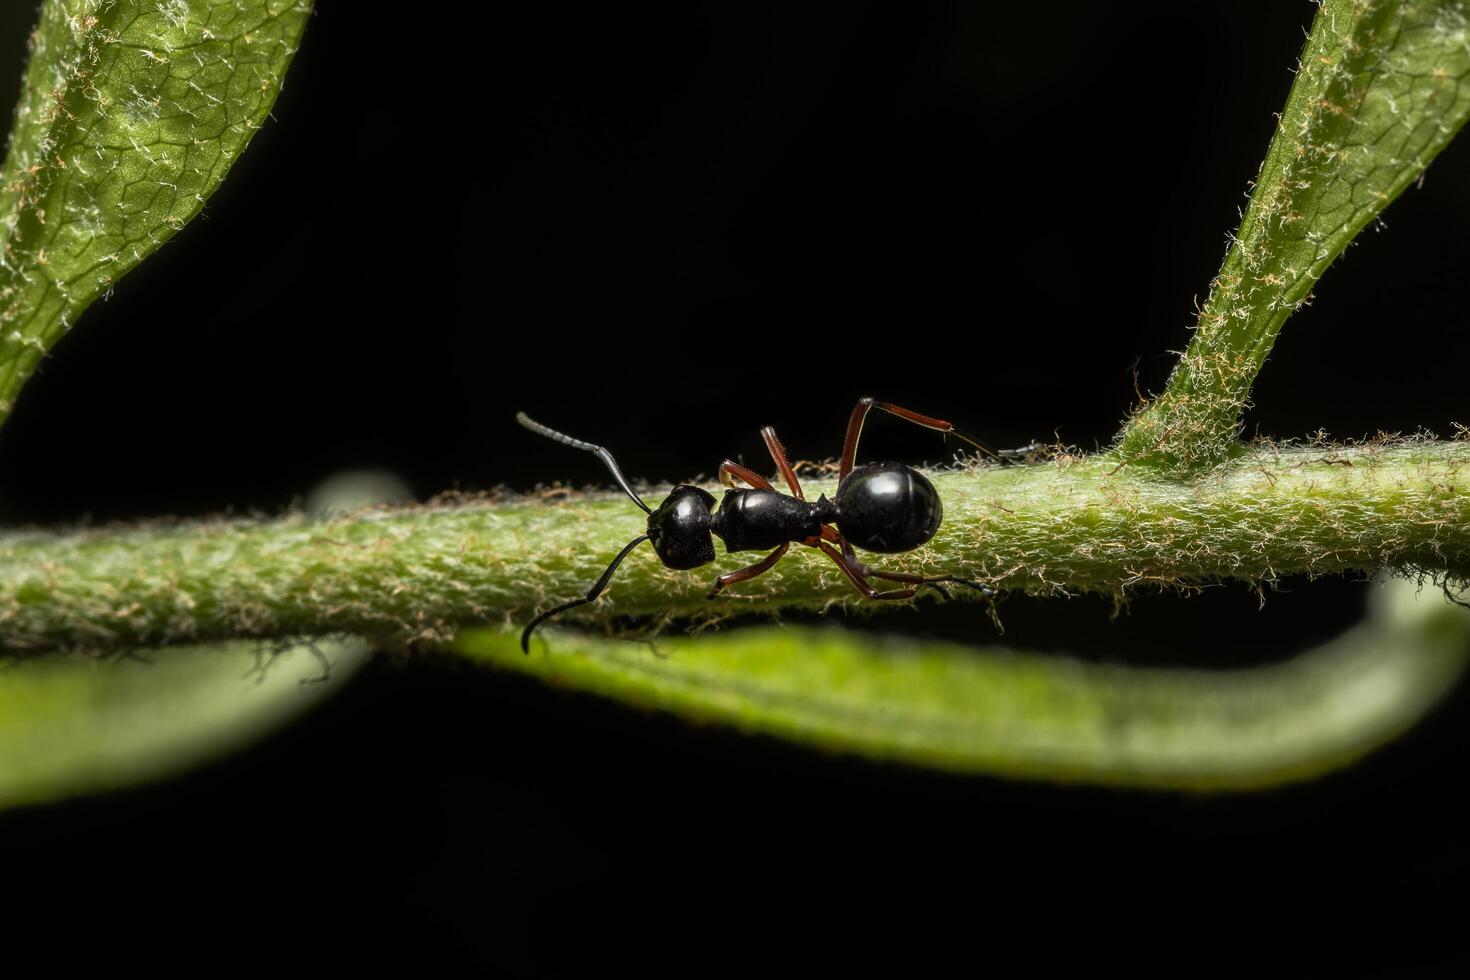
419, 573
1379, 92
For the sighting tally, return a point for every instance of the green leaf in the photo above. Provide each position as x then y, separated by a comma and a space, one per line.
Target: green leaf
130, 115
1382, 87
71, 724
1029, 715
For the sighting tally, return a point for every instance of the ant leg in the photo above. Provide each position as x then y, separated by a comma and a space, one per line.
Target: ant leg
918, 581
1022, 453
828, 534
860, 413
730, 471
859, 582
937, 581
749, 572
778, 453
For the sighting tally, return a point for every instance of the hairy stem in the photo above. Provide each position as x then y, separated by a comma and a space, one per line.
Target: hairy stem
419, 573
1380, 90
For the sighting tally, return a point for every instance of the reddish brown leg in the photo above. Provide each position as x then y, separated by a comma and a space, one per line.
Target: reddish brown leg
936, 581
828, 534
860, 413
867, 571
859, 582
778, 453
730, 471
749, 572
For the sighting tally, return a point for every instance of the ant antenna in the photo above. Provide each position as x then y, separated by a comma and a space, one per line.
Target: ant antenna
612, 466
592, 594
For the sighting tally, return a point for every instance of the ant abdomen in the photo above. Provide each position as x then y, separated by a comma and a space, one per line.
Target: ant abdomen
888, 508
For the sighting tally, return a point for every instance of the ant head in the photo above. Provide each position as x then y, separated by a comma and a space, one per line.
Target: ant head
680, 530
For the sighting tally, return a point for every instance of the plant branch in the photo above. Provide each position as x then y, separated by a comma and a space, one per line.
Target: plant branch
1380, 90
419, 573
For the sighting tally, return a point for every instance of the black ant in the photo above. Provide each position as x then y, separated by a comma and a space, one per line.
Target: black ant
885, 508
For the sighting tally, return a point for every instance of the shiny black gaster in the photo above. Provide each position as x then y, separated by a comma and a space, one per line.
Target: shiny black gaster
888, 508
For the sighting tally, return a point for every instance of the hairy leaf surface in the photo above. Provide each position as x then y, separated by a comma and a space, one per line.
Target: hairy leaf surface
131, 113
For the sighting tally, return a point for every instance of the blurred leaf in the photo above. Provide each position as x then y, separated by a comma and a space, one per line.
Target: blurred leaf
1031, 715
131, 113
70, 724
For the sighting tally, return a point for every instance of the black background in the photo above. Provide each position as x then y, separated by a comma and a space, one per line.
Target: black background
662, 226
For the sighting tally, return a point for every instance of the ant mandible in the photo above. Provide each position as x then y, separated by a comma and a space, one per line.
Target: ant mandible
886, 508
